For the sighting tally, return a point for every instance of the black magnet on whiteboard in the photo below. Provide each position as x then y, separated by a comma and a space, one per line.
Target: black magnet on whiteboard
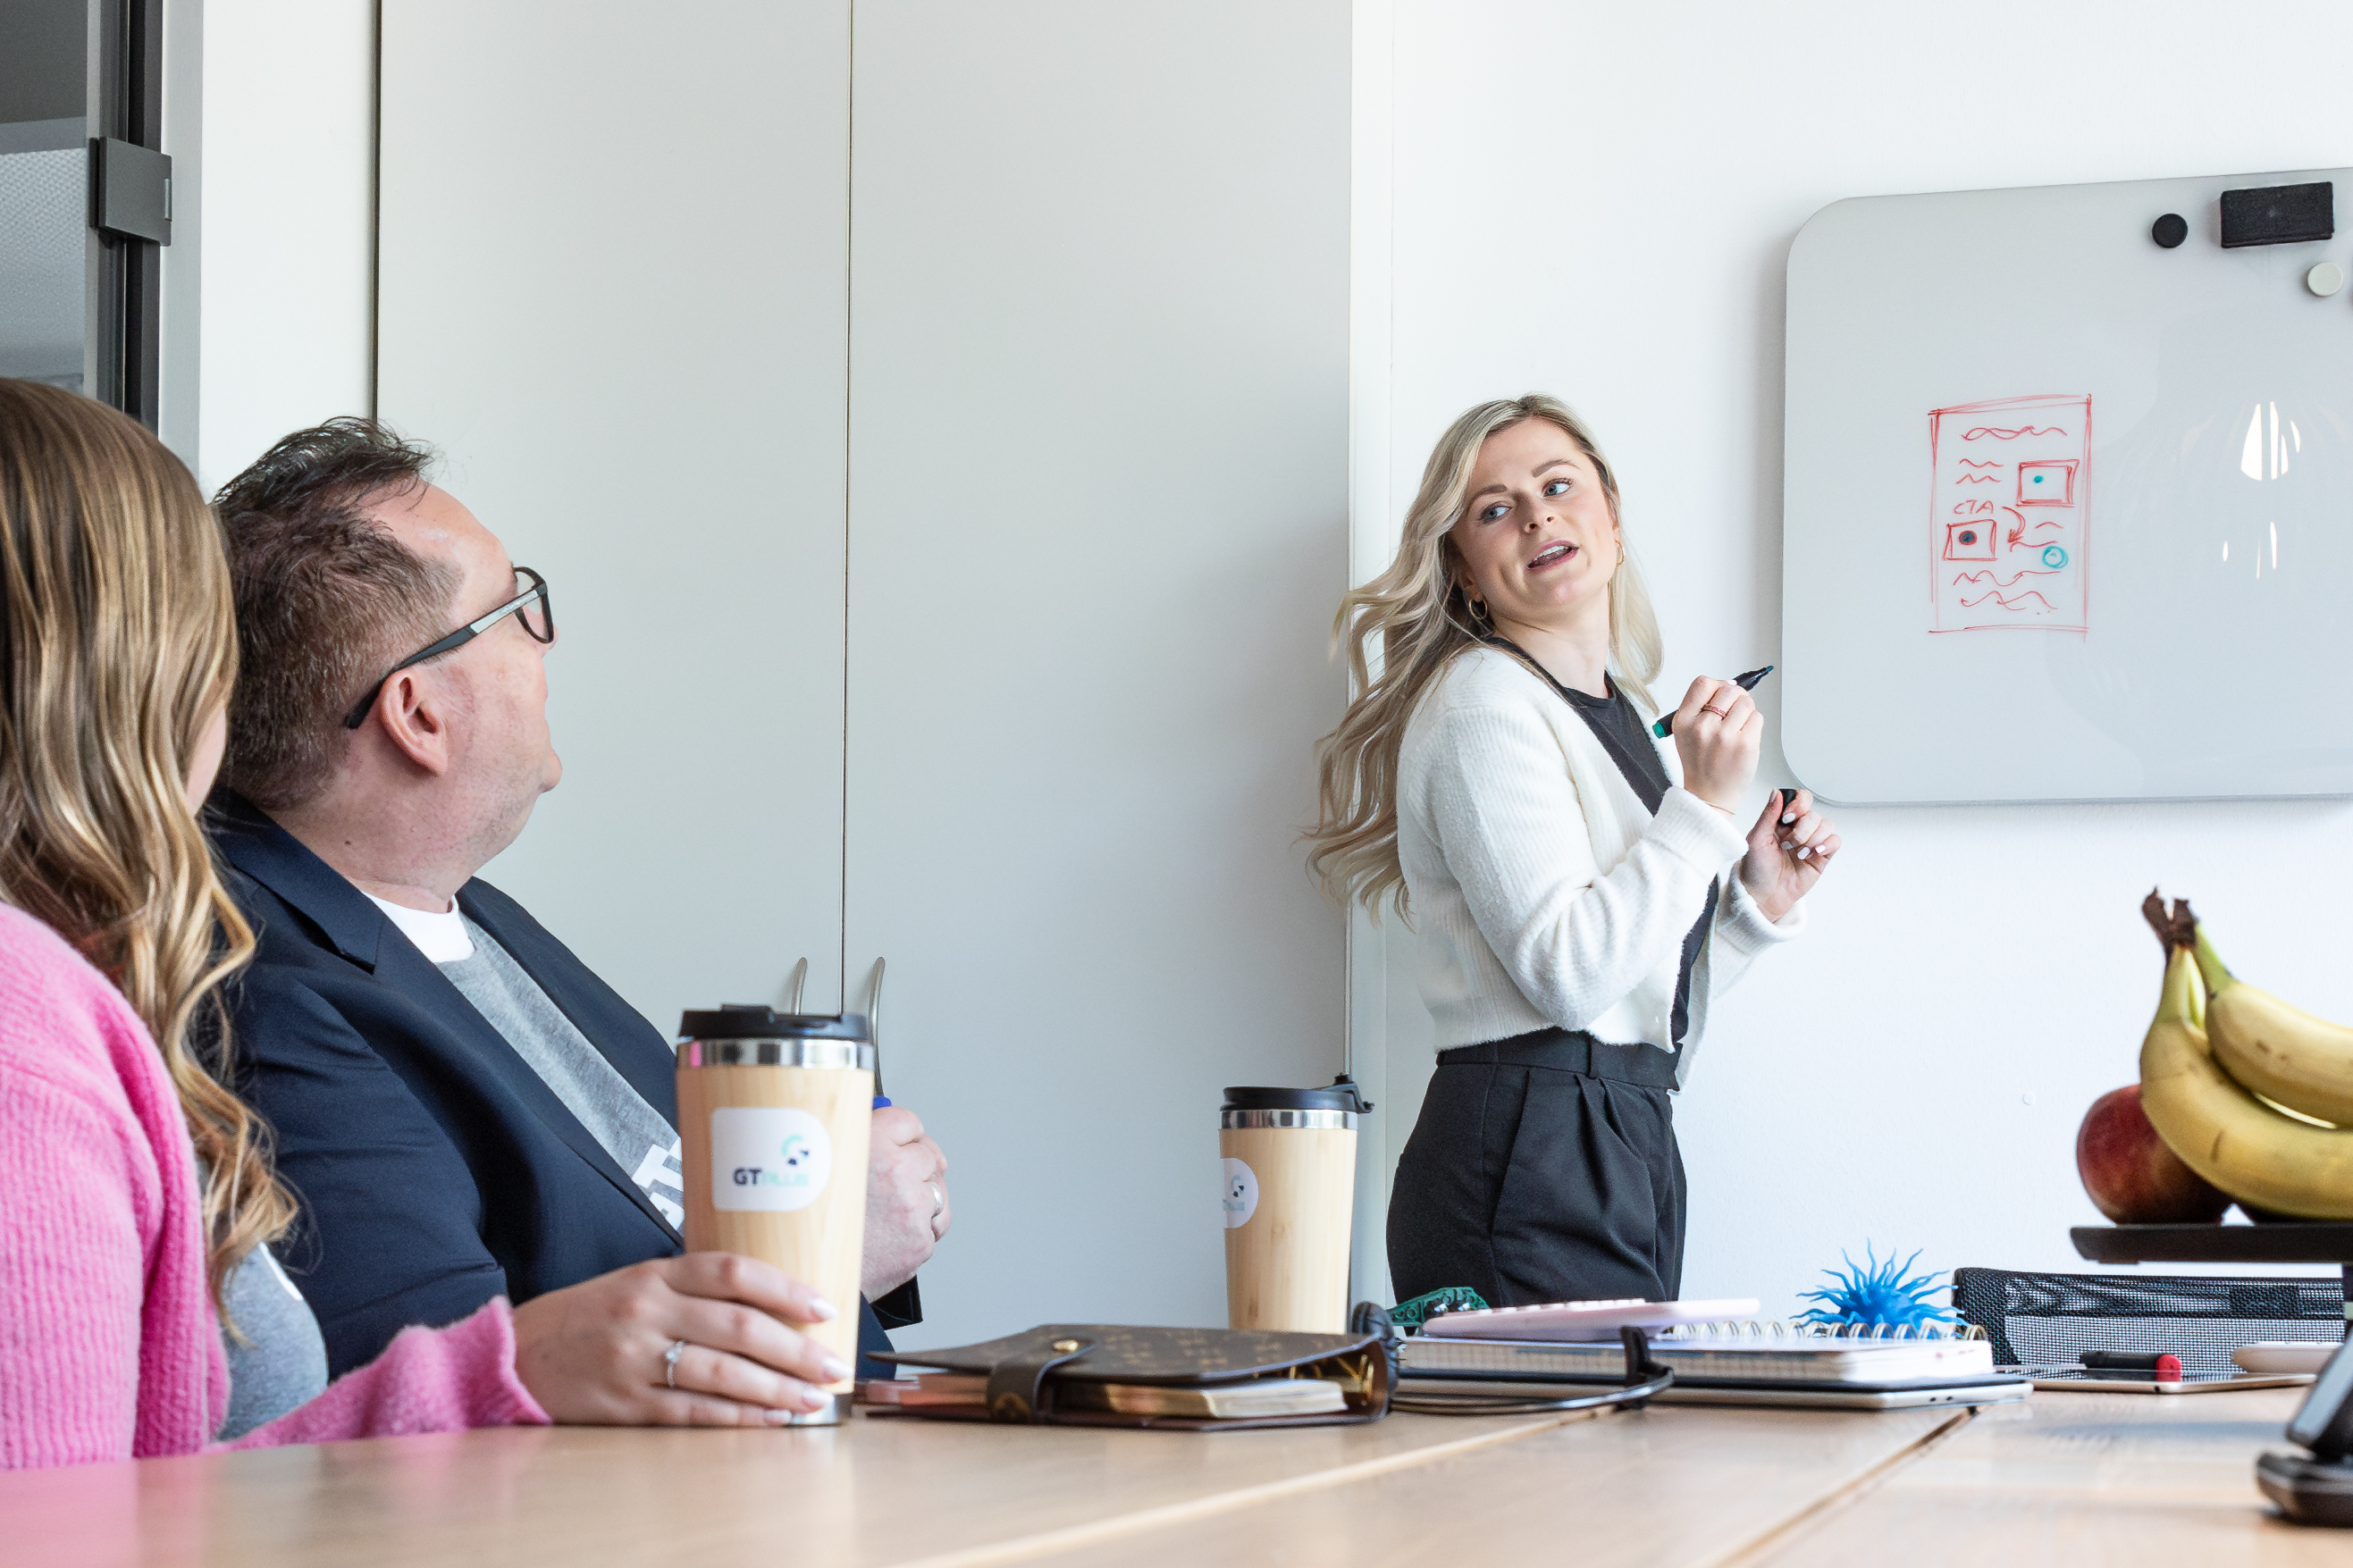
2279, 215
2169, 230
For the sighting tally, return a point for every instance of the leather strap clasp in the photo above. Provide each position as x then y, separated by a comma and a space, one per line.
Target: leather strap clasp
1015, 1386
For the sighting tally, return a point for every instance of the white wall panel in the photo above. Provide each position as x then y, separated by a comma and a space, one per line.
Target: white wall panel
179, 358
613, 293
268, 113
1099, 528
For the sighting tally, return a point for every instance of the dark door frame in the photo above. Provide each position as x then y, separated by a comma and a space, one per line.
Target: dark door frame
130, 306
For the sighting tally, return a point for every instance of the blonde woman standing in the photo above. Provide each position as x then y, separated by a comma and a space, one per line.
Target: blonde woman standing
1571, 881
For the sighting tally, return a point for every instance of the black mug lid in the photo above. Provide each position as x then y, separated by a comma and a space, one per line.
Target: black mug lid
1339, 1097
740, 1021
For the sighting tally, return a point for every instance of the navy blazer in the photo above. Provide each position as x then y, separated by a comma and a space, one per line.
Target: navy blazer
435, 1168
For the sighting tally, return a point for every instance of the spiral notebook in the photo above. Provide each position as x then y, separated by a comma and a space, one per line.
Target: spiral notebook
1746, 1350
1583, 1320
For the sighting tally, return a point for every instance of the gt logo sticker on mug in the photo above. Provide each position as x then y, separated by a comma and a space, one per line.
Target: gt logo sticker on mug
768, 1158
1238, 1197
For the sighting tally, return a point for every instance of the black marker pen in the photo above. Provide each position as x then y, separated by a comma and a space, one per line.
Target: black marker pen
1666, 726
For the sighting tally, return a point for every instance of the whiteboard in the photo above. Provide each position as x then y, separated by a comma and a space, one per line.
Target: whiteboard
2067, 515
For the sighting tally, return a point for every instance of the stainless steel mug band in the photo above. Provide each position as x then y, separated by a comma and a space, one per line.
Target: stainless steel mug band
1329, 1120
797, 1051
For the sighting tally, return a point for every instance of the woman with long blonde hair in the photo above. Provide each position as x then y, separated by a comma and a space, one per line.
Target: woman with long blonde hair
141, 1309
1496, 781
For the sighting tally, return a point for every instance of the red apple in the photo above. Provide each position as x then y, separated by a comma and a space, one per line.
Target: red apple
2131, 1174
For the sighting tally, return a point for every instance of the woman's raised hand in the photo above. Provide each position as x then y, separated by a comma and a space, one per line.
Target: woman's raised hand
1788, 850
596, 1352
1717, 732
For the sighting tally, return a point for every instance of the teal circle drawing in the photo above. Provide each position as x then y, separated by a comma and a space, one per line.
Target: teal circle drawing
2054, 558
2038, 478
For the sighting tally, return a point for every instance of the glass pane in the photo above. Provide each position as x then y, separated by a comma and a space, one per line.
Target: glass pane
44, 222
43, 190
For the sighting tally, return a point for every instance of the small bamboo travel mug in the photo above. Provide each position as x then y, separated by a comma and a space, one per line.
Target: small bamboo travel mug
1288, 1196
775, 1111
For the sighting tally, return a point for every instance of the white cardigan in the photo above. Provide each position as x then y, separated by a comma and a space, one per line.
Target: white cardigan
1541, 892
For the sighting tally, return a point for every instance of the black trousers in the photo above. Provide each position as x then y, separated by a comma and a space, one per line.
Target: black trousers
1544, 1168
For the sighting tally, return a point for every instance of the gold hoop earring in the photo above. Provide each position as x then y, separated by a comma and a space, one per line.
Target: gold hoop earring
1478, 608
1622, 555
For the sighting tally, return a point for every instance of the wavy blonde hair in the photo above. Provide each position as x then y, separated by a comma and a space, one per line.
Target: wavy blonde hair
118, 645
1416, 613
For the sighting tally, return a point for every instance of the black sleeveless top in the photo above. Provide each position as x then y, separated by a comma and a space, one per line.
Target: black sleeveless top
1617, 724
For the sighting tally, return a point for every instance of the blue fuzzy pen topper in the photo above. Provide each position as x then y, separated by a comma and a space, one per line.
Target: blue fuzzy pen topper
1876, 1292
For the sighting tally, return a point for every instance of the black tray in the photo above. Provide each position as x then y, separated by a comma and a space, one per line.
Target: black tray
2318, 1241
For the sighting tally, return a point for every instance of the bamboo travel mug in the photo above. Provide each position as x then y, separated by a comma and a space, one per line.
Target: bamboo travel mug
1289, 1194
775, 1110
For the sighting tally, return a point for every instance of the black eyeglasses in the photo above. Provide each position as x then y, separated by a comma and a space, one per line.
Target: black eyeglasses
531, 608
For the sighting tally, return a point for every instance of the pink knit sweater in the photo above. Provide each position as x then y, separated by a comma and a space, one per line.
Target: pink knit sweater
108, 1347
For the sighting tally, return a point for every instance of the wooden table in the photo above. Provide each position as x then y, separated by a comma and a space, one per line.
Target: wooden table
2078, 1479
2082, 1479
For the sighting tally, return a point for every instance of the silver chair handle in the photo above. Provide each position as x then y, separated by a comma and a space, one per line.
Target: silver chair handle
874, 1021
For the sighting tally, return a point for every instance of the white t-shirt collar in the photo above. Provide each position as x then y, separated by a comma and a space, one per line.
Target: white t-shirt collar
441, 936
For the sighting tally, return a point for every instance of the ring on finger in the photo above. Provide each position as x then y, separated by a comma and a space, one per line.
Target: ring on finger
670, 1362
939, 1199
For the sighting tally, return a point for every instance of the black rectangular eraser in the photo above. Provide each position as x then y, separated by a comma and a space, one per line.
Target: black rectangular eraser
2279, 215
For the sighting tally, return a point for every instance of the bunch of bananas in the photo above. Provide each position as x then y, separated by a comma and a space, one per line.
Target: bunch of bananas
2254, 1095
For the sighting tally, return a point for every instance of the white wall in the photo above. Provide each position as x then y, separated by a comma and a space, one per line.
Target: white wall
647, 408
268, 117
1096, 399
180, 360
1097, 522
1384, 1062
1073, 835
1598, 200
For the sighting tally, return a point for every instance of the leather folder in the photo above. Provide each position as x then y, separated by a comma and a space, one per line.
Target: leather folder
1024, 1369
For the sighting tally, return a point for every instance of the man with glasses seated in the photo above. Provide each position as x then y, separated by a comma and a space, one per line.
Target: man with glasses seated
463, 1108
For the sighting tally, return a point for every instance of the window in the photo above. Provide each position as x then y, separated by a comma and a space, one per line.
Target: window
79, 300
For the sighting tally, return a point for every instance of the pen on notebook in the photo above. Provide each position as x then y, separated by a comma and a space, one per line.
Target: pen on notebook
2151, 1365
1666, 726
